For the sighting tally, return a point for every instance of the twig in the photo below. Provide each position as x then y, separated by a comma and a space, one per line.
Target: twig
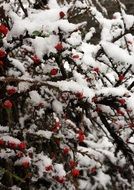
121, 145
22, 7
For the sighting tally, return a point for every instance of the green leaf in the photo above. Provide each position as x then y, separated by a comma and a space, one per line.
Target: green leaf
36, 33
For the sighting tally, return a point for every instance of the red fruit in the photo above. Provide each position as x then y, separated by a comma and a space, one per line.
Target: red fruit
57, 141
2, 53
3, 29
48, 168
25, 164
60, 179
96, 69
61, 14
1, 142
11, 91
66, 150
121, 77
40, 105
30, 154
19, 154
35, 59
7, 104
1, 63
79, 95
56, 126
119, 112
72, 163
94, 99
81, 136
122, 101
54, 72
12, 145
75, 172
75, 56
131, 125
59, 47
93, 170
22, 146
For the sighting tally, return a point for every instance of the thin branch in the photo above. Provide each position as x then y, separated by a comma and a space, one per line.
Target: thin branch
121, 145
22, 7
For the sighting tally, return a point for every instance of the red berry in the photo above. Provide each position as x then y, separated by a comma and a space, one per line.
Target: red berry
3, 29
59, 47
40, 105
93, 170
131, 125
22, 146
122, 101
54, 72
11, 91
79, 95
12, 145
1, 63
1, 142
7, 104
25, 164
72, 163
35, 59
66, 150
119, 112
19, 154
2, 53
96, 69
81, 136
56, 126
30, 154
94, 99
121, 77
57, 141
75, 56
61, 14
60, 179
48, 168
75, 172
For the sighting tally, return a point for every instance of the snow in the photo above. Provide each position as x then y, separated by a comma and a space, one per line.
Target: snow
17, 64
8, 138
89, 35
118, 54
74, 87
75, 39
55, 101
35, 97
44, 46
22, 160
46, 134
42, 161
59, 170
103, 179
4, 129
57, 106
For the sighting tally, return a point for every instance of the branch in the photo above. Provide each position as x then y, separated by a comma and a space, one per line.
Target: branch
121, 145
22, 7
